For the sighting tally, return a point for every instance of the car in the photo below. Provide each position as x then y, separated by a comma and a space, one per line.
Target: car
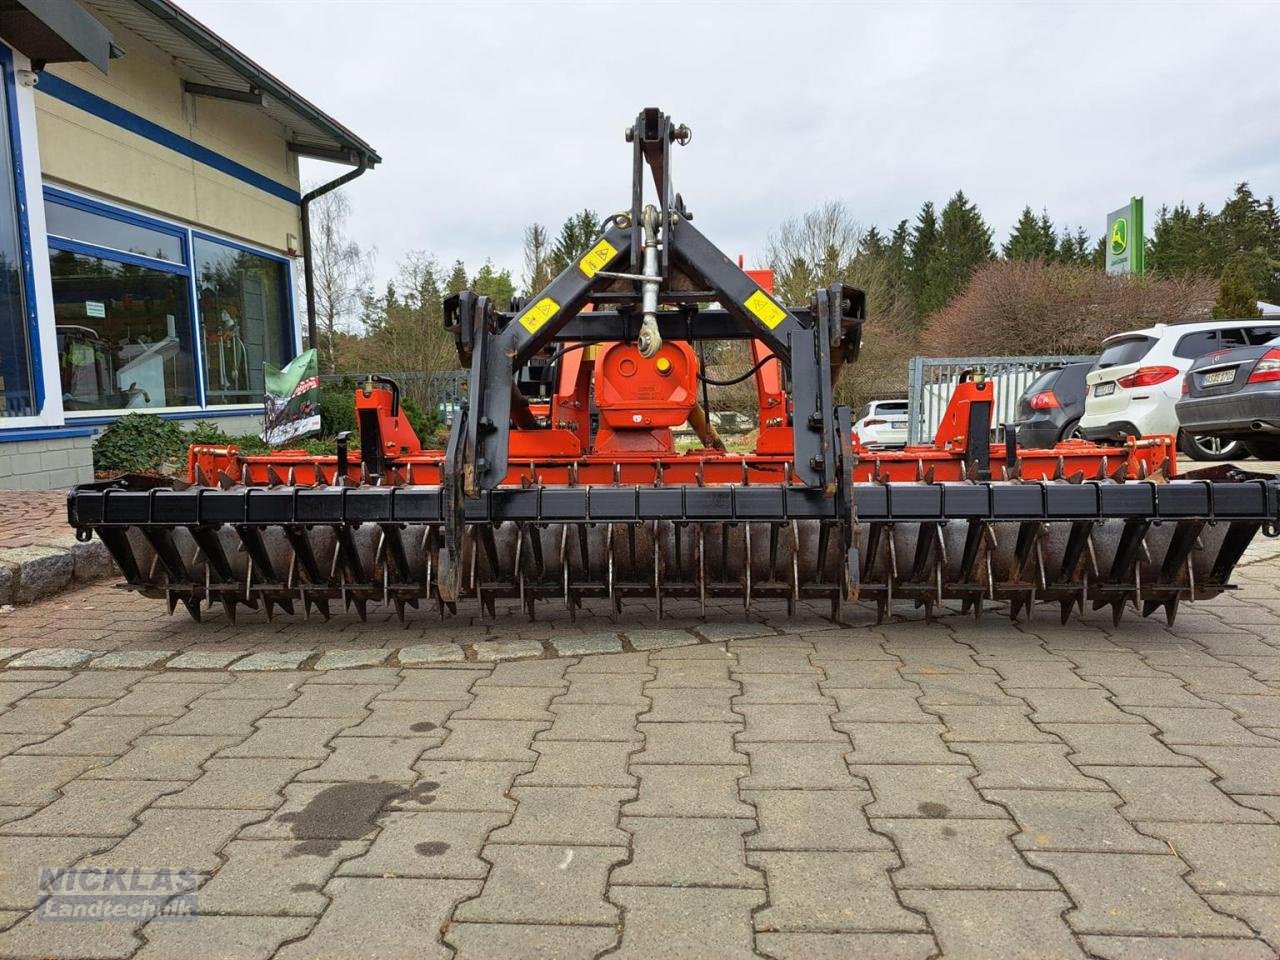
882, 424
1235, 395
1050, 408
1135, 385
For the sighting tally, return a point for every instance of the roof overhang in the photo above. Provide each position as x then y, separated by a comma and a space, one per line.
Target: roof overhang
56, 31
212, 67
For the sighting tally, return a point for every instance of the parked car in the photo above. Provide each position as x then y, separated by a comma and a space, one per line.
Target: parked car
1235, 395
1134, 387
1051, 407
882, 424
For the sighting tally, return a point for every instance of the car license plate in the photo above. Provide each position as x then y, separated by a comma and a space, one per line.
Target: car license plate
1218, 377
897, 424
1104, 389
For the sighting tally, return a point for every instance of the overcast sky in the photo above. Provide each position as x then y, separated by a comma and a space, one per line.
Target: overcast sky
491, 115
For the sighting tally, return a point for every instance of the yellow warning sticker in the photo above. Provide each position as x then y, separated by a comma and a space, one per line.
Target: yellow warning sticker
597, 258
765, 310
537, 315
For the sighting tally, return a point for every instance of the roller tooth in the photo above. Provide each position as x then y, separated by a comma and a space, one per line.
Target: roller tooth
201, 479
1065, 610
193, 608
1171, 610
229, 607
270, 608
286, 606
1151, 606
362, 609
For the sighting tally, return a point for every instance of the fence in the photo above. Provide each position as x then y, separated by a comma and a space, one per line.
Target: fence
932, 380
430, 391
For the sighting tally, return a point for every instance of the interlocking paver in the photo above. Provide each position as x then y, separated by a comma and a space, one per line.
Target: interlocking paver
772, 660
94, 736
812, 820
1176, 948
980, 924
347, 659
420, 653
571, 763
290, 738
427, 844
848, 946
692, 922
832, 891
11, 691
161, 758
528, 941
893, 705
246, 784
1111, 662
963, 690
325, 700
614, 688
25, 857
898, 743
356, 923
488, 740
540, 673
55, 657
545, 884
45, 716
989, 724
469, 784
255, 686
204, 659
1041, 766
566, 815
175, 839
108, 686
1248, 770
1206, 726
1261, 913
509, 703
435, 685
1155, 691
688, 791
572, 646
34, 781
693, 674
1223, 678
1075, 706
244, 938
1252, 710
863, 674
1072, 820
1133, 894
210, 717
659, 639
1241, 858
404, 718
812, 766
686, 852
688, 743
1023, 675
1174, 793
941, 853
1100, 744
923, 790
272, 660
130, 659
351, 758
160, 700
780, 723
34, 939
593, 721
492, 651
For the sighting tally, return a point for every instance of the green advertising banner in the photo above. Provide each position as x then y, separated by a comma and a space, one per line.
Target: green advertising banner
292, 407
1126, 240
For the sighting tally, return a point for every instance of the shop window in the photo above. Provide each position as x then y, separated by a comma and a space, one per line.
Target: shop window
75, 223
124, 334
16, 380
243, 319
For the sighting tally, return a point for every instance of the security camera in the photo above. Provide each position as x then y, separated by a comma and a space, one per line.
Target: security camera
26, 78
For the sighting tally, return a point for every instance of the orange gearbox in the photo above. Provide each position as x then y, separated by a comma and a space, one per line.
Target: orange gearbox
641, 400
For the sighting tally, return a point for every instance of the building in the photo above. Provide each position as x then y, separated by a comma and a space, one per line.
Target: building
150, 216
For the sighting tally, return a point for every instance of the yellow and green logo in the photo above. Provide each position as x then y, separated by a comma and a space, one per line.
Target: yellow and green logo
1119, 236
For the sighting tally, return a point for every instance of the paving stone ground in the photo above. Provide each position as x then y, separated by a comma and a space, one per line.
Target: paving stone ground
719, 788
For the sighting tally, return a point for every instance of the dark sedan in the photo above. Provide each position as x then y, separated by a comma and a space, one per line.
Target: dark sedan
1051, 407
1236, 394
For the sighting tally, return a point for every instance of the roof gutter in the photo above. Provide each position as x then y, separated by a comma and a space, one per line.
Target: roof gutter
308, 270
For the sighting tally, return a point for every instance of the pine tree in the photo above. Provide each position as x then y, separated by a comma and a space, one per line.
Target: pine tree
537, 259
457, 278
494, 284
1074, 248
897, 268
1243, 281
1032, 238
576, 236
921, 250
964, 243
872, 244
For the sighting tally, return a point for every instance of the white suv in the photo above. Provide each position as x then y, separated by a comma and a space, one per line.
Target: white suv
1134, 386
882, 423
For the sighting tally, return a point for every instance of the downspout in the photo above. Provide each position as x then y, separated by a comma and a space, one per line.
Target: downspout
308, 273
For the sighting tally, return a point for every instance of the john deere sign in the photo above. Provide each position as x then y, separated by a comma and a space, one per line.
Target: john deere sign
1125, 244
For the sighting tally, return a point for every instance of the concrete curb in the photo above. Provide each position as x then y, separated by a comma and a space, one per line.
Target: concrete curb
28, 574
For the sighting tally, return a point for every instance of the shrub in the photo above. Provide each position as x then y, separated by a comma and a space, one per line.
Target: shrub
338, 407
1015, 308
207, 432
138, 443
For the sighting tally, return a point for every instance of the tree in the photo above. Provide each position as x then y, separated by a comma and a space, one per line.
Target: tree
964, 243
1074, 247
812, 251
494, 284
537, 260
341, 272
1032, 238
923, 246
457, 280
1242, 285
577, 235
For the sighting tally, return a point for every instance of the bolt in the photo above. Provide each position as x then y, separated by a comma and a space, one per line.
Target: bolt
630, 135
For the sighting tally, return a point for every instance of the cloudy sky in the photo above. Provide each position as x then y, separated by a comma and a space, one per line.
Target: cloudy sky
491, 115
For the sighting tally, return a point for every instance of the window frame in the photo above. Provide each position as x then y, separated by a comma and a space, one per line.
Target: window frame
30, 305
187, 234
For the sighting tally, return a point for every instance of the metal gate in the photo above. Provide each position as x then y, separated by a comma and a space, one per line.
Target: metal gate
932, 380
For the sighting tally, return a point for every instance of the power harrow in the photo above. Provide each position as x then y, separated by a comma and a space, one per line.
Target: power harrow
562, 480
